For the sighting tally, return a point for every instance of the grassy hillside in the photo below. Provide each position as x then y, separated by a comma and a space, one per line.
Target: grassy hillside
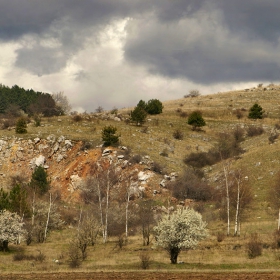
260, 162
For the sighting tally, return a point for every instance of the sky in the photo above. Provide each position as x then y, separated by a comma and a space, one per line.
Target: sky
112, 53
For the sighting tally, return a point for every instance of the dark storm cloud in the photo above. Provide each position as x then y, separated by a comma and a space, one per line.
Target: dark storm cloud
205, 41
256, 18
210, 42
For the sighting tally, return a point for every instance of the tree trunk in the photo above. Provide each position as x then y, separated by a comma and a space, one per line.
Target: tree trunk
279, 220
107, 209
174, 252
5, 245
126, 214
237, 208
33, 208
48, 218
227, 198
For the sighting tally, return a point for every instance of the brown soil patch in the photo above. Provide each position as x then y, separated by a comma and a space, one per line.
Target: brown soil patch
146, 276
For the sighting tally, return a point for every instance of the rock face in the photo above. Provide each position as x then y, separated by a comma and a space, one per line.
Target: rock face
69, 165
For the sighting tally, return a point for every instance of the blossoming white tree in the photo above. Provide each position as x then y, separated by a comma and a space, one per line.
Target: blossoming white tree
10, 229
180, 230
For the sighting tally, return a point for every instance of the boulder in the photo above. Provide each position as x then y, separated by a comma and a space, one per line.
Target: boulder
142, 176
38, 161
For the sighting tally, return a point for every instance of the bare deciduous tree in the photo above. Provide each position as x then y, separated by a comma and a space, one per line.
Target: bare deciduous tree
61, 100
99, 187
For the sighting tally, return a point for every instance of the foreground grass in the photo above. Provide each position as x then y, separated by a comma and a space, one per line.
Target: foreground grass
230, 254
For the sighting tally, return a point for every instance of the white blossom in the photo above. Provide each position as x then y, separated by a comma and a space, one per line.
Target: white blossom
180, 230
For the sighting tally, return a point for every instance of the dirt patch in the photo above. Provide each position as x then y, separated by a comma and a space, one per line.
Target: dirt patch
146, 275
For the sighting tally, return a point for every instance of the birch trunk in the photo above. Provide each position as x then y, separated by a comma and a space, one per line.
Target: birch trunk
33, 209
126, 213
107, 209
48, 218
227, 197
101, 211
237, 208
279, 220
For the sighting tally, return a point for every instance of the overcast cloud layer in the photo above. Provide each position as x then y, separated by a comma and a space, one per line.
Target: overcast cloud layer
115, 52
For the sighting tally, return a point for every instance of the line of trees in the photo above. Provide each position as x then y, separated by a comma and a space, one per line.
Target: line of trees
17, 99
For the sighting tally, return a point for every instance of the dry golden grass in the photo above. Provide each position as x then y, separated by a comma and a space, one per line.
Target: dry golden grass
261, 161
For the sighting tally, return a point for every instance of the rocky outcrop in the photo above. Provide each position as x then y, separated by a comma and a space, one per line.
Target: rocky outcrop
68, 165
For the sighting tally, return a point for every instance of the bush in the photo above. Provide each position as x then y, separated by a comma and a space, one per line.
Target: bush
239, 114
273, 137
190, 186
254, 131
183, 115
196, 120
145, 259
178, 134
157, 167
220, 236
21, 126
8, 123
276, 240
256, 112
164, 153
199, 160
135, 159
192, 93
238, 134
77, 118
227, 146
154, 107
138, 115
254, 247
109, 136
21, 256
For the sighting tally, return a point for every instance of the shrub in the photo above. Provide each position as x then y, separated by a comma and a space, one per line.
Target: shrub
178, 134
238, 134
227, 146
196, 120
273, 137
199, 160
37, 121
254, 130
190, 185
21, 126
239, 114
256, 112
157, 167
276, 240
154, 107
99, 109
135, 159
86, 146
21, 256
109, 136
145, 260
254, 247
220, 236
114, 111
138, 115
77, 118
164, 153
145, 129
192, 93
183, 115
